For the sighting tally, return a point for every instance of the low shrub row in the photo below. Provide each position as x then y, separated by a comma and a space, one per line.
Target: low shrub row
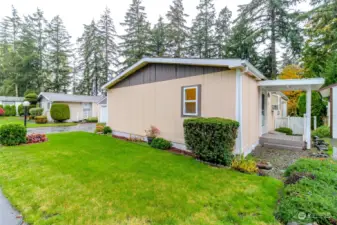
161, 143
10, 110
285, 130
41, 119
92, 120
245, 165
36, 112
310, 193
12, 134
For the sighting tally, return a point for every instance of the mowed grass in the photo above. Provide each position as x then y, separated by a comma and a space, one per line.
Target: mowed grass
82, 178
31, 124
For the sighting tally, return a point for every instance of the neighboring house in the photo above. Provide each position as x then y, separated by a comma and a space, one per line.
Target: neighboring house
8, 100
331, 93
164, 91
81, 106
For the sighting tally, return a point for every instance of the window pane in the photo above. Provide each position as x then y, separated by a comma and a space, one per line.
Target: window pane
191, 107
191, 94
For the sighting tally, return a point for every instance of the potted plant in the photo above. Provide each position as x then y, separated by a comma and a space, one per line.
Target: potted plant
151, 133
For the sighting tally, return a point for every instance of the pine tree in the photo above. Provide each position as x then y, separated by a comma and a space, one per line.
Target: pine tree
134, 45
13, 27
158, 41
59, 49
204, 30
273, 24
222, 31
110, 49
177, 30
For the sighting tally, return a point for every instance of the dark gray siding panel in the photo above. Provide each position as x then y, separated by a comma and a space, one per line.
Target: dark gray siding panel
161, 72
188, 71
165, 72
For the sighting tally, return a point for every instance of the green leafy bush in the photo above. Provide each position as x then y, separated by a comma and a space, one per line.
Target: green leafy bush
211, 139
245, 165
31, 97
313, 194
21, 110
10, 110
161, 143
36, 112
323, 131
60, 112
107, 130
12, 134
41, 119
92, 120
285, 130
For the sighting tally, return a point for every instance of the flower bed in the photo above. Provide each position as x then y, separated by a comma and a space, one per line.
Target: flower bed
36, 138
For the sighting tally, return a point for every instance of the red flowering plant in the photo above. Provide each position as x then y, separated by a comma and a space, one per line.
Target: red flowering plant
36, 138
2, 112
152, 132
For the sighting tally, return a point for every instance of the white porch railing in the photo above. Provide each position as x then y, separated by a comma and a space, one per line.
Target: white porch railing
297, 124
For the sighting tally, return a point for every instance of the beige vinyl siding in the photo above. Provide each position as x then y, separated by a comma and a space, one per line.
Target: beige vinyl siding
135, 108
250, 113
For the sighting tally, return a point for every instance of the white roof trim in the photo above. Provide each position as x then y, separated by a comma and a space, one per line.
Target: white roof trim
102, 100
292, 84
230, 63
41, 94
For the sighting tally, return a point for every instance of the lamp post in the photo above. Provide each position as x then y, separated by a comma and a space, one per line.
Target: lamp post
25, 105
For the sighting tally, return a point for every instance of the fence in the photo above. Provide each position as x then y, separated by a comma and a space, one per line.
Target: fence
297, 124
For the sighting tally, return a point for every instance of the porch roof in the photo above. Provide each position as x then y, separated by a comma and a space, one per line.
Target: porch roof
292, 84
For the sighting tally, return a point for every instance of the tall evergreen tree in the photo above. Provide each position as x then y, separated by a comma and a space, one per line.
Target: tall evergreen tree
59, 49
273, 23
158, 41
134, 45
222, 31
203, 29
177, 30
108, 34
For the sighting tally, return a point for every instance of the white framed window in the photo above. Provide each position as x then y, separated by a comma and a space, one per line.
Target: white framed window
191, 100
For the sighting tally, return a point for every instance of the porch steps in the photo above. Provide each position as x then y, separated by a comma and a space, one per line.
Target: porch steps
281, 141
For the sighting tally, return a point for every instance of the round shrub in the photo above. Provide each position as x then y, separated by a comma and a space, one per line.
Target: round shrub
107, 130
161, 143
2, 112
41, 119
21, 110
31, 97
36, 112
60, 112
323, 131
12, 134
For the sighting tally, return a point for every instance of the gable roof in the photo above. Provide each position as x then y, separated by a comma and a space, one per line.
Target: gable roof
59, 97
11, 99
247, 67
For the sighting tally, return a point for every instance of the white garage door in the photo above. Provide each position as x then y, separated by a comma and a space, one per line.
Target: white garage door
104, 114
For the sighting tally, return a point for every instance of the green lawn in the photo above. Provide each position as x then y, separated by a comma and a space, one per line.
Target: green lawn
82, 178
31, 124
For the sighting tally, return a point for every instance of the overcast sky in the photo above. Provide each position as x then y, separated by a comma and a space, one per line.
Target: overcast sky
75, 13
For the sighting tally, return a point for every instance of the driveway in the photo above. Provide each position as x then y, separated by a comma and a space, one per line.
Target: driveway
87, 127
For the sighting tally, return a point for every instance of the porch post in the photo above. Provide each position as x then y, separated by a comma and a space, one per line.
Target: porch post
308, 112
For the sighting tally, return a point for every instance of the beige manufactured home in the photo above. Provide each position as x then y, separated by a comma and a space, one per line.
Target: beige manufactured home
164, 91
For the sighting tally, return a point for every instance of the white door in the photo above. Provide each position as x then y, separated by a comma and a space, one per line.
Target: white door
104, 114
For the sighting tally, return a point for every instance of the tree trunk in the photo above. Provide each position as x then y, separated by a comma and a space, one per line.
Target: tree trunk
273, 46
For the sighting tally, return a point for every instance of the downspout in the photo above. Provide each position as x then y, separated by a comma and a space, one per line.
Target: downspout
238, 110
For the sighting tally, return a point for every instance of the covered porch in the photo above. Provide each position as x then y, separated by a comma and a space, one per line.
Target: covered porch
265, 88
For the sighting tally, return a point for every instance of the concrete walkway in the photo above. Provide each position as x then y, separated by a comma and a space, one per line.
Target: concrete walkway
8, 215
87, 127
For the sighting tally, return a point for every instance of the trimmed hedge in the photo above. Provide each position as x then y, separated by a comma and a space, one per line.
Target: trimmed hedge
60, 112
21, 110
92, 120
161, 143
285, 130
12, 134
36, 112
31, 97
41, 119
310, 189
10, 110
211, 139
